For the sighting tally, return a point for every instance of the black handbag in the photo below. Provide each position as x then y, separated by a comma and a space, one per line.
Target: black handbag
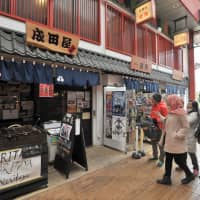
153, 133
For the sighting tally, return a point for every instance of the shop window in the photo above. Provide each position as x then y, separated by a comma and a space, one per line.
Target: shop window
169, 54
178, 59
66, 15
161, 51
114, 29
35, 10
89, 19
119, 31
128, 35
141, 50
5, 6
80, 17
151, 46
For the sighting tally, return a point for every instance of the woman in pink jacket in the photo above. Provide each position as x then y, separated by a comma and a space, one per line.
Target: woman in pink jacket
175, 145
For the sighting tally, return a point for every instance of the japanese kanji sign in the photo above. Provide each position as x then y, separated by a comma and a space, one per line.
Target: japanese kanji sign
177, 75
145, 12
53, 40
141, 64
46, 90
181, 39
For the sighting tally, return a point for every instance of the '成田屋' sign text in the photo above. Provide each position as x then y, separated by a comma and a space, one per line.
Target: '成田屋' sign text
53, 40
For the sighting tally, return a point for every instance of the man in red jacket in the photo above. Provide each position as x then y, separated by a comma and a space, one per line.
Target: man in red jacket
158, 106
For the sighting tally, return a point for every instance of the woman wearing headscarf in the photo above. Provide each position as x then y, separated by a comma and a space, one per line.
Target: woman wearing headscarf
193, 118
175, 145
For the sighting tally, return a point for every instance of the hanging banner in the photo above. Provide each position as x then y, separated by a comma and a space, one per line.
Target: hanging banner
181, 39
43, 37
14, 169
177, 75
141, 64
145, 12
46, 90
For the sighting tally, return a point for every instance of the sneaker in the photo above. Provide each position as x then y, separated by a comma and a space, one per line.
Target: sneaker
153, 159
159, 163
196, 172
188, 179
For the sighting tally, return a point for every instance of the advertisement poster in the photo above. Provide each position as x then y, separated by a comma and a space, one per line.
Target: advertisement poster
65, 131
14, 169
71, 96
80, 95
71, 102
118, 128
109, 103
46, 90
109, 127
118, 103
87, 96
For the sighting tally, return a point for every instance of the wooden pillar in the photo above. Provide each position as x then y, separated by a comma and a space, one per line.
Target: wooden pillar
191, 69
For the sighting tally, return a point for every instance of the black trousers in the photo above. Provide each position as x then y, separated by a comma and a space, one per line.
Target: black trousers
180, 160
194, 160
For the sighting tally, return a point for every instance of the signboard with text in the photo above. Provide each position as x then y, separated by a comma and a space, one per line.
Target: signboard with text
181, 39
145, 12
14, 169
141, 64
46, 90
177, 75
43, 37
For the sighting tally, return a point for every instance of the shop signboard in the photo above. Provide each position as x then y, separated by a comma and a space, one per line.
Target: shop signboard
145, 12
141, 64
14, 169
181, 39
46, 90
43, 37
177, 75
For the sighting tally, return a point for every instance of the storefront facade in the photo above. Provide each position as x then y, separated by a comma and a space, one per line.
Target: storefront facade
100, 64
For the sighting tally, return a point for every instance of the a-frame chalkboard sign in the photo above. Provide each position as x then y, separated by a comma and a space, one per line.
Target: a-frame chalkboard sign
71, 145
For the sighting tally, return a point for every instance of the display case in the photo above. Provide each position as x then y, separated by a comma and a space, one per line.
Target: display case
23, 160
16, 104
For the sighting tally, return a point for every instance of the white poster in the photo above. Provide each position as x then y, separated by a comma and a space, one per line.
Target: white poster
15, 170
77, 127
65, 131
71, 96
118, 128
